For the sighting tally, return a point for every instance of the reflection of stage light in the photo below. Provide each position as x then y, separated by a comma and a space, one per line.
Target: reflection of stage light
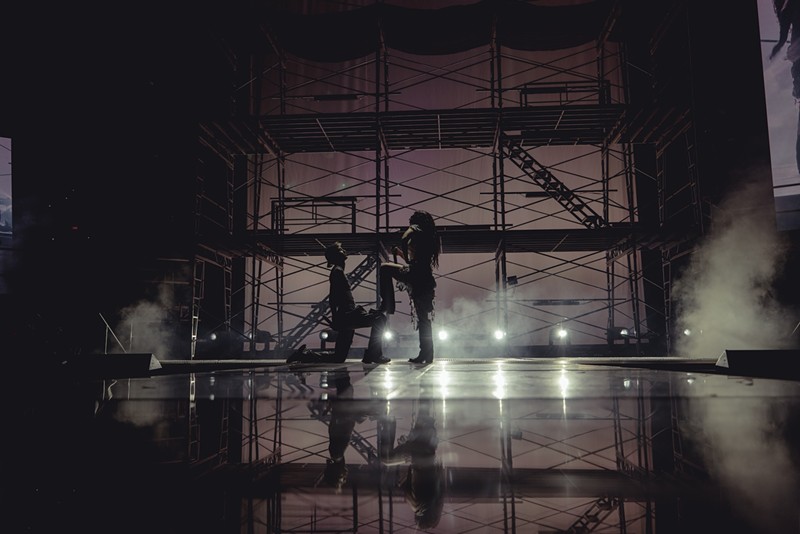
687, 332
443, 335
563, 383
500, 383
213, 336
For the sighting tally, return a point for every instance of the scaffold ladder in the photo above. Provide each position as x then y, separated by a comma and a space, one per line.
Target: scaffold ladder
541, 176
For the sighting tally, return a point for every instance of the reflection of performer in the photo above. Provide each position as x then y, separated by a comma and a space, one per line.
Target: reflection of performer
788, 12
340, 428
346, 317
424, 483
344, 413
420, 249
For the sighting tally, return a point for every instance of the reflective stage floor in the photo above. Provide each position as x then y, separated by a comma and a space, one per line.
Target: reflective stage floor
467, 446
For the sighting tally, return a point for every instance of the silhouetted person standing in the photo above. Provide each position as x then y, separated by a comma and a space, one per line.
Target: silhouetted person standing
425, 482
420, 248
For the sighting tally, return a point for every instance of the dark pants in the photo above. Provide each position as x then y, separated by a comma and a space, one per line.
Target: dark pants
420, 284
345, 326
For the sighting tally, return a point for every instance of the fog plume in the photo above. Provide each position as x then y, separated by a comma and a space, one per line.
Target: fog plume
149, 326
724, 296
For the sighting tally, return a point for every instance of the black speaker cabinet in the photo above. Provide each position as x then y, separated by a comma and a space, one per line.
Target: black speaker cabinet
761, 363
126, 365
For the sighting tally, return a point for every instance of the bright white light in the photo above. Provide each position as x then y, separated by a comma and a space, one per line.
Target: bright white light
500, 385
623, 332
563, 383
213, 336
323, 335
388, 335
499, 334
387, 380
443, 335
687, 332
444, 380
561, 332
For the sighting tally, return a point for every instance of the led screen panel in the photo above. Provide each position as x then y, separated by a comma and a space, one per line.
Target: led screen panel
781, 65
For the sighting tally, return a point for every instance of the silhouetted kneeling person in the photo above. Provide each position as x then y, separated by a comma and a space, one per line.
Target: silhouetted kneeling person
346, 317
345, 412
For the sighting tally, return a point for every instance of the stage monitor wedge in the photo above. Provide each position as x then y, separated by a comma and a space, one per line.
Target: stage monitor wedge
767, 363
127, 365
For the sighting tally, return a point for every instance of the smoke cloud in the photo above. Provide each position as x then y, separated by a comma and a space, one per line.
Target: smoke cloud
724, 297
148, 326
749, 449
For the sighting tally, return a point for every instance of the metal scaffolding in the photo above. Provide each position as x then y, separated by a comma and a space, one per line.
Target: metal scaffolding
525, 158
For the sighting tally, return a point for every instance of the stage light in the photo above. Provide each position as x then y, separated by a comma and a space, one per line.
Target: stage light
692, 332
263, 336
559, 335
388, 335
220, 345
620, 332
326, 336
443, 335
499, 335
